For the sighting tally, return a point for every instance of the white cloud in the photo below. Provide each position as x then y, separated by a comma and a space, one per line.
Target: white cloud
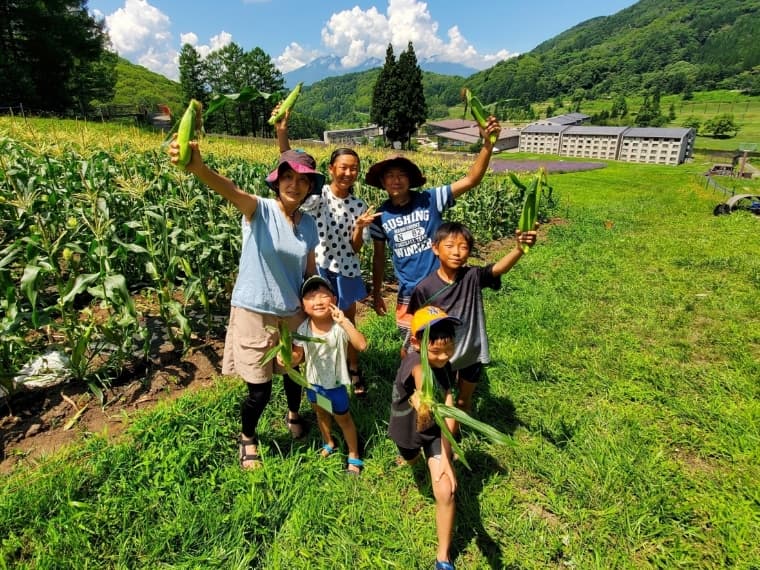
140, 32
217, 42
356, 34
136, 26
294, 57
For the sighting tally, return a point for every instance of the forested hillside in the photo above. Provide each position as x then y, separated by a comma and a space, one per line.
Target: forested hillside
669, 46
136, 85
345, 101
674, 46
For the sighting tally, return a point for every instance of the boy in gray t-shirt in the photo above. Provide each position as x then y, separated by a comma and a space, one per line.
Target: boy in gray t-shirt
458, 290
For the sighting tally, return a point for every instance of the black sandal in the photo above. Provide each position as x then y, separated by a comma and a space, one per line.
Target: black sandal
297, 427
244, 457
360, 388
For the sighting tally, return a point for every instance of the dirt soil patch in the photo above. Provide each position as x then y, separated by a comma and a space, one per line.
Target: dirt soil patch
35, 423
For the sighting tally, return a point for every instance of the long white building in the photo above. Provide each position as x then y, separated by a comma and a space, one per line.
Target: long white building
629, 144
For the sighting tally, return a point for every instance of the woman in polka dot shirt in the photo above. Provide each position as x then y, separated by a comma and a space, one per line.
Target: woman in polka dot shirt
342, 222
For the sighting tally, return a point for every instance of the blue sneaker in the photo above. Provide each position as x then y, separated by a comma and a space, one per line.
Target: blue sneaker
444, 565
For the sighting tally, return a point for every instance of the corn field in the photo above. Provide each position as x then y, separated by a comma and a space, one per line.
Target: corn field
99, 232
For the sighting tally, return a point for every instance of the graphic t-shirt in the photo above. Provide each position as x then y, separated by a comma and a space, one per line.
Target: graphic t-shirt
409, 231
464, 299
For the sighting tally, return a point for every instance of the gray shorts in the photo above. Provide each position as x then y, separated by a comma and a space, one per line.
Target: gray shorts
247, 341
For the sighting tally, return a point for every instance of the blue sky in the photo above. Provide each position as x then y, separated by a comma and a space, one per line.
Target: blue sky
476, 33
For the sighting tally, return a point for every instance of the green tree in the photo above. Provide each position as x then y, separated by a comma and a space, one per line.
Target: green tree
191, 75
692, 122
53, 55
619, 107
229, 70
721, 126
578, 96
410, 102
382, 112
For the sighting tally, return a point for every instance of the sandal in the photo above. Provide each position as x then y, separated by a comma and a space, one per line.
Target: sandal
248, 460
360, 388
297, 427
327, 450
357, 464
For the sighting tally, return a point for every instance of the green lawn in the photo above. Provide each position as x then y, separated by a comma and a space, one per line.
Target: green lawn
626, 358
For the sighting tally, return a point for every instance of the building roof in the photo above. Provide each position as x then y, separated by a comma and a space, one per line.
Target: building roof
594, 130
472, 134
658, 132
544, 129
566, 119
459, 135
452, 124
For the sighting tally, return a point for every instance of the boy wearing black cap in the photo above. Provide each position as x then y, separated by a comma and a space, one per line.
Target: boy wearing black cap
412, 434
326, 367
408, 219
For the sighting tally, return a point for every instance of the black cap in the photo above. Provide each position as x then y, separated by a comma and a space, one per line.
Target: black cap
314, 282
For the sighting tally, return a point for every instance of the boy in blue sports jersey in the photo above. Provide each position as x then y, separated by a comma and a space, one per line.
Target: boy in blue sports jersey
408, 220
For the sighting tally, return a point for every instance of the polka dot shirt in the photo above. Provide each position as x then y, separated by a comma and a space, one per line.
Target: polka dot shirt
336, 218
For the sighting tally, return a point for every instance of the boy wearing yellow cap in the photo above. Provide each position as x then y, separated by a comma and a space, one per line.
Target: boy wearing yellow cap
411, 438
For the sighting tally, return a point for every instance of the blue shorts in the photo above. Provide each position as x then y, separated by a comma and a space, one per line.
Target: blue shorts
338, 397
349, 290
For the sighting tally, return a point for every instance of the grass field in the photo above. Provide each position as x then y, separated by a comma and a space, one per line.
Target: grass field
625, 365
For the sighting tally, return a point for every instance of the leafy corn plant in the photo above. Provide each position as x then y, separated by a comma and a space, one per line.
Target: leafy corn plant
429, 404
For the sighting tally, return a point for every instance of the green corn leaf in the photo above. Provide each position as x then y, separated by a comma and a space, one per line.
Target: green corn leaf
270, 354
80, 284
297, 377
428, 384
467, 420
446, 432
305, 338
245, 95
442, 411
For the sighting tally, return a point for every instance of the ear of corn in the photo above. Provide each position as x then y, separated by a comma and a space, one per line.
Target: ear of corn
477, 110
190, 124
286, 104
529, 214
285, 349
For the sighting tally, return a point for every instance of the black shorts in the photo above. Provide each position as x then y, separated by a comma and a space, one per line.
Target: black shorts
472, 373
431, 449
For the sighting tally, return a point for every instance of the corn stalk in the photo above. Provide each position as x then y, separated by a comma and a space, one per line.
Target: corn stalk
429, 405
285, 349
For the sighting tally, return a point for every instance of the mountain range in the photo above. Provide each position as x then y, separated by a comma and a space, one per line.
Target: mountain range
331, 66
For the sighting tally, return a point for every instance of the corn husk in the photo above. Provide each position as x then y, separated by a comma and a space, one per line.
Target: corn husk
429, 404
285, 349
